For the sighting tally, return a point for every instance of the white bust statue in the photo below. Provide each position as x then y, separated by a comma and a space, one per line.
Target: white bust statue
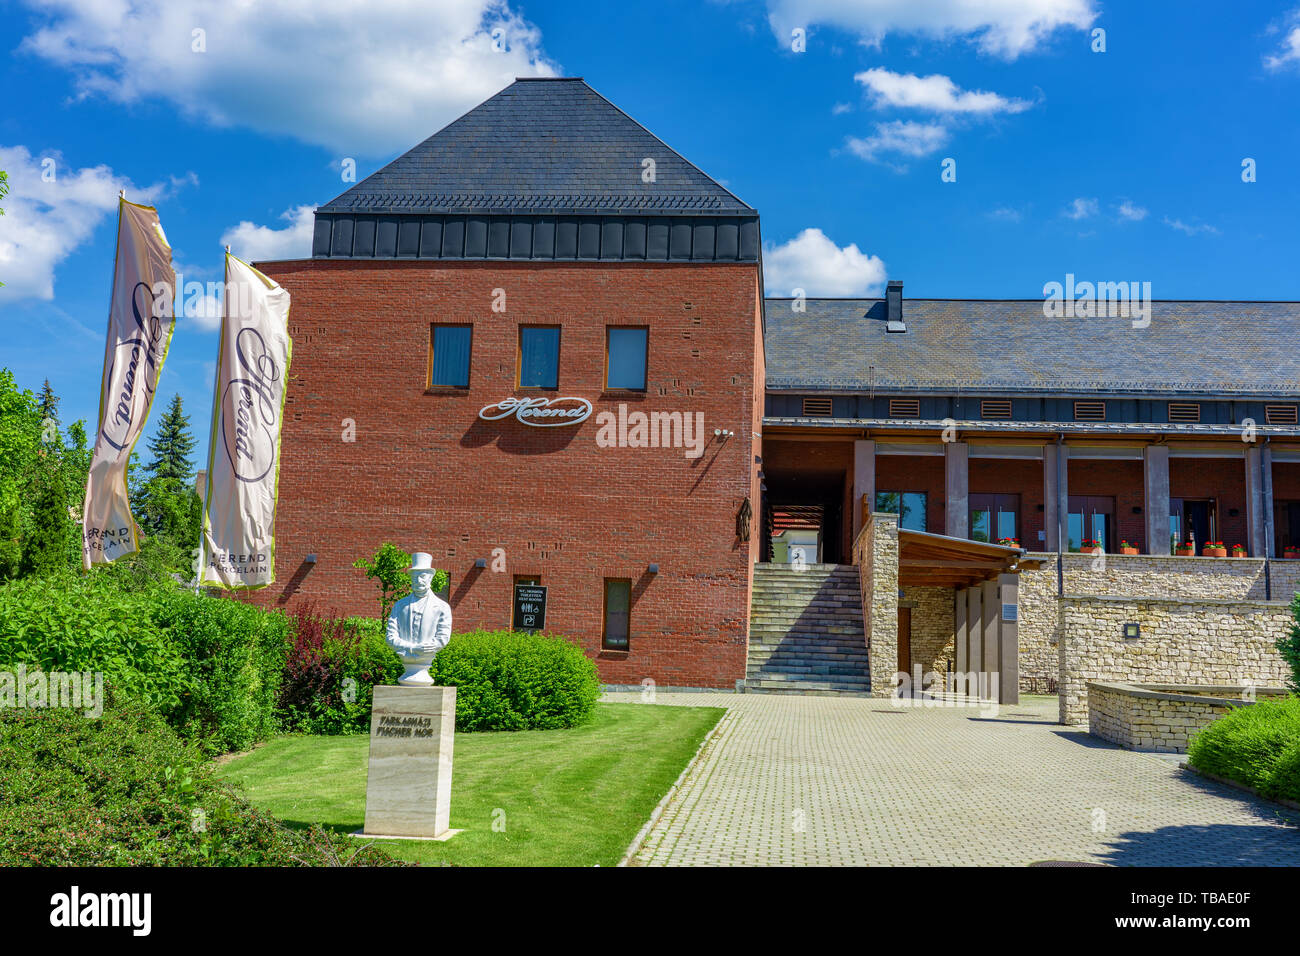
420, 624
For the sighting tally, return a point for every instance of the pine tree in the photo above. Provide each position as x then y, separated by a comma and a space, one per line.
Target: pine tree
172, 446
45, 550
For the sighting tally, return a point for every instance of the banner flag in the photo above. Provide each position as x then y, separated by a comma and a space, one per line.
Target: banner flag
238, 546
140, 325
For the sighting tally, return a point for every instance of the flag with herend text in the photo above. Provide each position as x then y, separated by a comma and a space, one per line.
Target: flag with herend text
247, 411
140, 325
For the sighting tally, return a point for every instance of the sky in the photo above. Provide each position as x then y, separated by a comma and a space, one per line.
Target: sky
969, 150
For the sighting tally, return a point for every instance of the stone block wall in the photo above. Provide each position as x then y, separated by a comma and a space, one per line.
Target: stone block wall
1183, 641
932, 628
876, 554
1155, 718
1129, 576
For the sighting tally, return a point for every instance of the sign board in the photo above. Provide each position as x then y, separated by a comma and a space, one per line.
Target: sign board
1010, 612
530, 607
539, 412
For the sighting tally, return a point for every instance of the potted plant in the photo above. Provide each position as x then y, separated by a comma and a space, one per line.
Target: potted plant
1090, 546
1185, 550
1009, 542
1215, 549
1292, 551
1126, 548
1238, 550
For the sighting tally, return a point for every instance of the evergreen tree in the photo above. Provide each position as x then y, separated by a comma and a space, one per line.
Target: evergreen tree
172, 446
45, 547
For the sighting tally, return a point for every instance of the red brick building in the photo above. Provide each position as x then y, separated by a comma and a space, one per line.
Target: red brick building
545, 248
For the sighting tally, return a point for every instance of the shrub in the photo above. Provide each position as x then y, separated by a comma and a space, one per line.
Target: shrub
387, 567
234, 655
1289, 646
67, 623
125, 790
507, 680
209, 665
331, 673
1258, 745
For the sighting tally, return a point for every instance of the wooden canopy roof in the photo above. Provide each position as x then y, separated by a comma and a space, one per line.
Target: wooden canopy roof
936, 560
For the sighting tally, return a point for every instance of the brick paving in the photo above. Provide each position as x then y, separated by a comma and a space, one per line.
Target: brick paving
827, 781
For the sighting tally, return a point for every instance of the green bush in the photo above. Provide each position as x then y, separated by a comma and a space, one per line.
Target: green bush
209, 665
235, 655
517, 681
1258, 745
68, 623
1289, 646
125, 790
331, 672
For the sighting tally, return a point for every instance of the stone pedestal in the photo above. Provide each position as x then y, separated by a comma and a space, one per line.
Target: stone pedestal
408, 785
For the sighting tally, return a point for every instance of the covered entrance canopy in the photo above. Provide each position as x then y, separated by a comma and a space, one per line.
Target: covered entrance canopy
936, 560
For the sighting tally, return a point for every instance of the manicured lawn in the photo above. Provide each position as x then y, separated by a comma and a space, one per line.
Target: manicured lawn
556, 797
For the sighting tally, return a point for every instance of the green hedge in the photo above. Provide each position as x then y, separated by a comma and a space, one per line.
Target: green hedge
125, 790
516, 681
1258, 745
211, 666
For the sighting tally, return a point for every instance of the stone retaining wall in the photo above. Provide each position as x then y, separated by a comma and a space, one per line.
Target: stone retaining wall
1182, 641
875, 552
1118, 576
932, 627
1161, 718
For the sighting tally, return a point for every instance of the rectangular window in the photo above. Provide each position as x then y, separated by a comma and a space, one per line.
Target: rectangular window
618, 605
1185, 412
995, 409
994, 518
1091, 521
904, 408
449, 355
908, 505
625, 357
539, 356
1280, 414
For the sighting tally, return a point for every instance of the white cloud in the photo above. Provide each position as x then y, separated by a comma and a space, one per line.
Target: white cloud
901, 137
935, 93
1288, 54
254, 243
1190, 229
841, 108
1129, 212
1081, 208
52, 208
1005, 28
359, 78
1006, 214
812, 262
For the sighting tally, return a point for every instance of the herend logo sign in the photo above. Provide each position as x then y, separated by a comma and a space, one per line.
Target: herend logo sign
250, 408
539, 412
126, 372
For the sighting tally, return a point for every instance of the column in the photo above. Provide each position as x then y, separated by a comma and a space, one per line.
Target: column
1009, 641
1155, 478
864, 481
1258, 501
955, 489
959, 639
974, 635
989, 631
1056, 493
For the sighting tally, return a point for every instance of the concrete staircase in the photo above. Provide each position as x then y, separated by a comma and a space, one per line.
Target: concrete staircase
805, 632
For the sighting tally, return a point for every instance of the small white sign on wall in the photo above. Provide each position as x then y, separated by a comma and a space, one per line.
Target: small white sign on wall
1010, 612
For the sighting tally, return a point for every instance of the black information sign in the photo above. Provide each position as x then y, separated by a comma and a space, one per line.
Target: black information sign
530, 607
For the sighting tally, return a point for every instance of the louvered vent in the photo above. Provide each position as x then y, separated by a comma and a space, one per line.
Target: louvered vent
1188, 413
904, 408
816, 407
1089, 411
995, 409
1280, 414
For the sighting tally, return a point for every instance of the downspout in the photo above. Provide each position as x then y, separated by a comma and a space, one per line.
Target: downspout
1060, 521
1266, 506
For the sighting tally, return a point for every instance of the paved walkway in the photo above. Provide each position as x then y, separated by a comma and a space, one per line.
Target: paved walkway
823, 780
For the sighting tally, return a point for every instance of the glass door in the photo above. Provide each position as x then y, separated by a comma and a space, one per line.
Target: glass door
1091, 523
994, 517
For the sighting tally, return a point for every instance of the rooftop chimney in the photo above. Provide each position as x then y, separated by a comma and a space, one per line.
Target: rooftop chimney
894, 307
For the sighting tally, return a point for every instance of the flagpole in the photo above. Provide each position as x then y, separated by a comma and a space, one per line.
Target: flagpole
207, 478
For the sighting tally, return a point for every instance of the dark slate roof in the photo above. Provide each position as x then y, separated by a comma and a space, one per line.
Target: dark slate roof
1010, 346
540, 146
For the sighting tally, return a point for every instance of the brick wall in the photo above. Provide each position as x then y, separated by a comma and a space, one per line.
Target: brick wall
914, 473
425, 473
1224, 480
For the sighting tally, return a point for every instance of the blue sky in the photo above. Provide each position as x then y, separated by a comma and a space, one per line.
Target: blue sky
1117, 165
